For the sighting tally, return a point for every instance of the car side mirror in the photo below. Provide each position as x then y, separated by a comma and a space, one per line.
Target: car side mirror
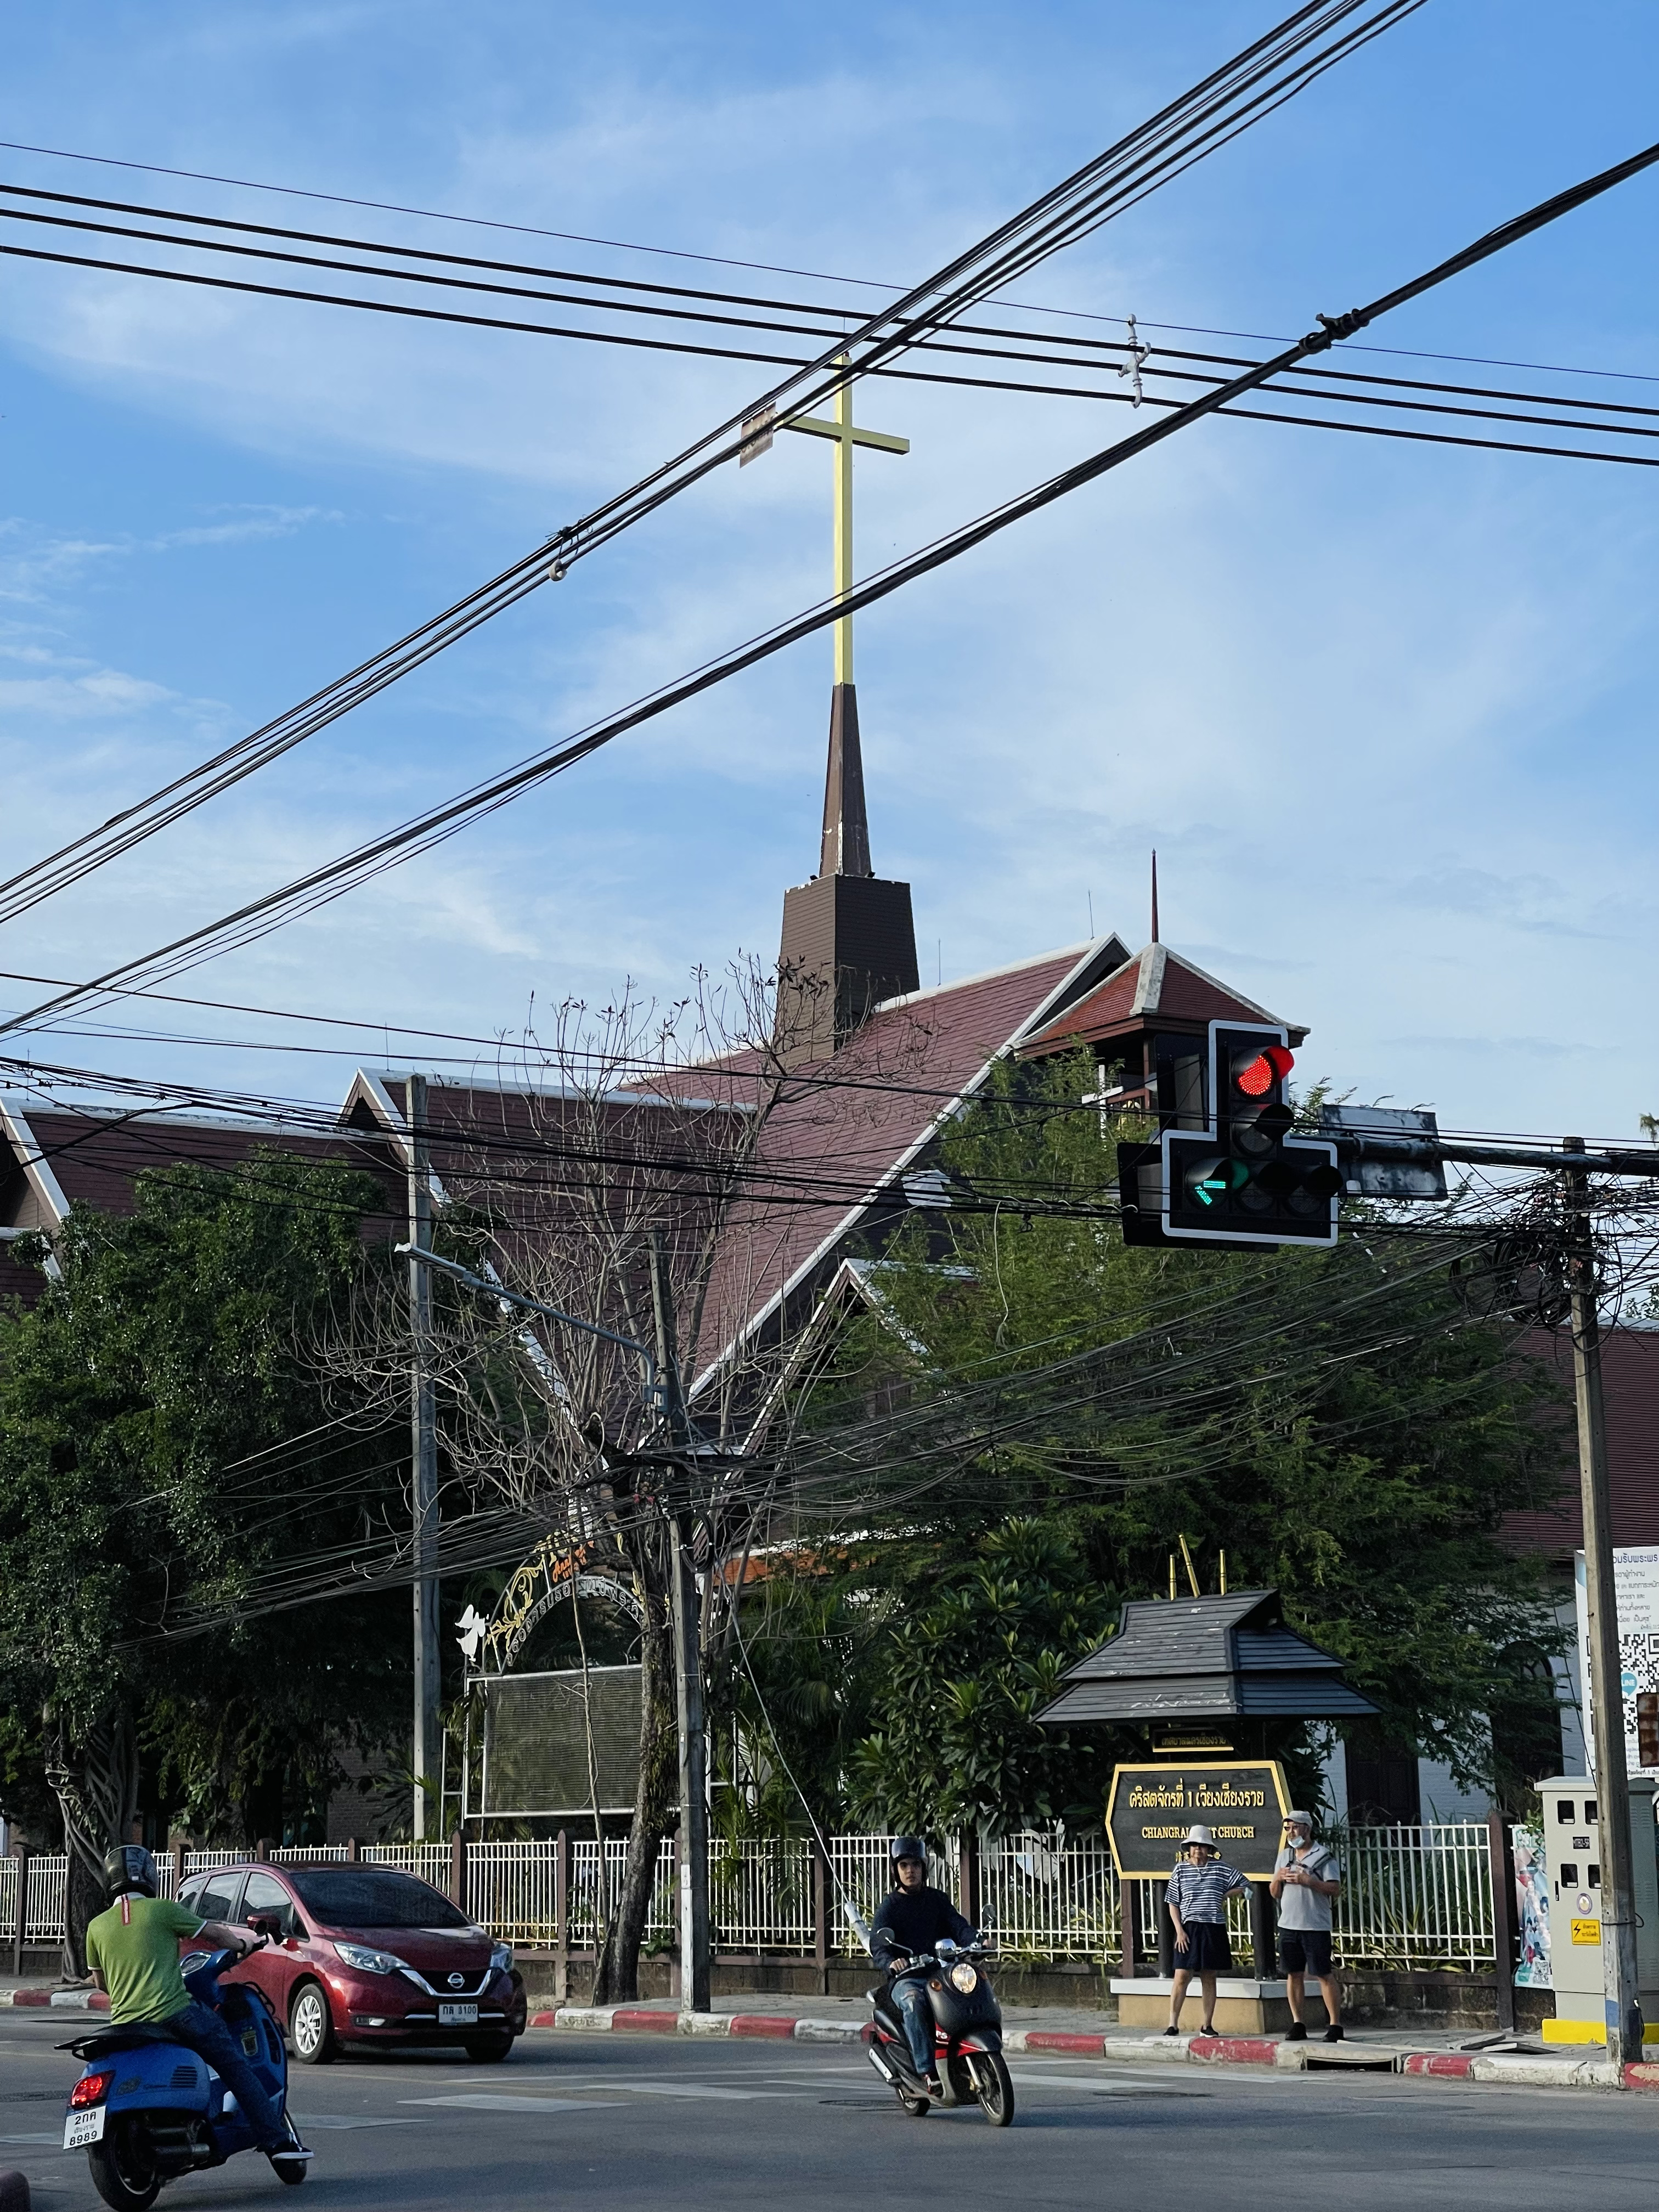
266, 1924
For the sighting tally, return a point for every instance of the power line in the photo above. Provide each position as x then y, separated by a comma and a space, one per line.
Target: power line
321, 885
1230, 100
768, 268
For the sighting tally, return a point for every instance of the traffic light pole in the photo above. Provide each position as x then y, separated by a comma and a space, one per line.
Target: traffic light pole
1619, 1967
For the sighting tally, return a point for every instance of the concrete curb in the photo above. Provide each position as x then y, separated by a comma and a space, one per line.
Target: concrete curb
61, 2000
1521, 2069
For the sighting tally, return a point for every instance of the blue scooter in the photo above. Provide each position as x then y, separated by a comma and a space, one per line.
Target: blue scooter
146, 2109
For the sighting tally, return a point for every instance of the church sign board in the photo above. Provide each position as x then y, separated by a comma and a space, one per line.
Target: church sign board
1149, 1809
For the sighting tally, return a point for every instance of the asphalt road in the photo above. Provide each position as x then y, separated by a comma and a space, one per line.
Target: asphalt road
635, 2122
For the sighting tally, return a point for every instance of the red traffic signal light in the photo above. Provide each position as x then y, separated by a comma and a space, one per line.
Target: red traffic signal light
1256, 1073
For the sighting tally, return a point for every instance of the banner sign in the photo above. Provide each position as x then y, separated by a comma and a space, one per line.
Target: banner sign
1636, 1597
1243, 1803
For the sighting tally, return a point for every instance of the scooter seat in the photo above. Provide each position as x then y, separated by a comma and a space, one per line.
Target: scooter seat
130, 2037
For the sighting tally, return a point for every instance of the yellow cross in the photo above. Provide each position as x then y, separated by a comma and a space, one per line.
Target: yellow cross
846, 436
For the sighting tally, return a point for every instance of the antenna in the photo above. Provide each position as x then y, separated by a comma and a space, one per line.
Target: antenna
1155, 894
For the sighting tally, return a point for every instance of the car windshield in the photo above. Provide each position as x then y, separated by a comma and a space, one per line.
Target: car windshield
372, 1897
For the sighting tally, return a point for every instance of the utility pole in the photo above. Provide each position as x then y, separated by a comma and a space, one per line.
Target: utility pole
1618, 1969
424, 1417
695, 1995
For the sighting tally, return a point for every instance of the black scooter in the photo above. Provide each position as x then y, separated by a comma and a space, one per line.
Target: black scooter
967, 2035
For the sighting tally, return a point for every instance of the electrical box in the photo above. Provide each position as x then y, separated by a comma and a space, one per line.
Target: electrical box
1572, 1863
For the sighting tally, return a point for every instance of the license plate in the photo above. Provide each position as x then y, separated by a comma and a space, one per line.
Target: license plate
81, 2129
457, 2015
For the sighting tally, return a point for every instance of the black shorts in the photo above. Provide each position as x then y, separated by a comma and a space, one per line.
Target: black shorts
1207, 1952
1305, 1951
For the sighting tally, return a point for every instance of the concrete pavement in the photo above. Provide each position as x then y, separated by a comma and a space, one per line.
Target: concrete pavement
724, 2125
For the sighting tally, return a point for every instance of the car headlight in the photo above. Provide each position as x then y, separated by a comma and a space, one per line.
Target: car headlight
500, 1958
370, 1962
964, 1978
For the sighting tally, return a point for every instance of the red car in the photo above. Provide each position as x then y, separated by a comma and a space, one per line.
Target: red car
364, 1954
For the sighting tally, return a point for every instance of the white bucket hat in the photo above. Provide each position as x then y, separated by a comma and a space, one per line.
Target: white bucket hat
1200, 1835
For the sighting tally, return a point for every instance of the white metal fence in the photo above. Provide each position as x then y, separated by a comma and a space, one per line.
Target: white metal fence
1412, 1896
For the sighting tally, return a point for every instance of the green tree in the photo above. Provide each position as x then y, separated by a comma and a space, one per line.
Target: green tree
164, 1437
1333, 1422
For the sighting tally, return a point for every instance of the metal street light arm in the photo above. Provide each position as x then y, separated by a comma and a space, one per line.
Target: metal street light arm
426, 1259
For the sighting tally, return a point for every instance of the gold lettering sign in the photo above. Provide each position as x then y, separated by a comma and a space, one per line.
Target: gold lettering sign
1243, 1802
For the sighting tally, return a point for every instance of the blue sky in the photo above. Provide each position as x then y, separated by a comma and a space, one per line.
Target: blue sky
1386, 711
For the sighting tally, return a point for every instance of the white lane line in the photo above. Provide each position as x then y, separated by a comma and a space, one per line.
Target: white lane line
1105, 2085
57, 2137
633, 2085
480, 2103
314, 2120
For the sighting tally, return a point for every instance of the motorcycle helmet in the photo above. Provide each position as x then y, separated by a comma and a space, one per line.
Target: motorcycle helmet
907, 1847
129, 1867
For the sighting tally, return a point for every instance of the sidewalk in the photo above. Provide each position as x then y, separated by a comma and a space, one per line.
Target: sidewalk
1081, 2034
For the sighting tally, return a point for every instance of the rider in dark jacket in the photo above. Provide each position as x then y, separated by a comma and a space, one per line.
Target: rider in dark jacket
913, 1918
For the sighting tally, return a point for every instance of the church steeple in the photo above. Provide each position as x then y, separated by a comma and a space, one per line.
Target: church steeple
845, 847
849, 940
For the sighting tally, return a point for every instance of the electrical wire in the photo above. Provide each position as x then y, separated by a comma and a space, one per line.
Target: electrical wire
1231, 99
322, 885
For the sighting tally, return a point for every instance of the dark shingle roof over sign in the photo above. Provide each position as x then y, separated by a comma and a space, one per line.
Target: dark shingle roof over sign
1206, 1658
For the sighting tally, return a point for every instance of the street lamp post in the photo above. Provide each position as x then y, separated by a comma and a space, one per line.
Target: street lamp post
663, 1391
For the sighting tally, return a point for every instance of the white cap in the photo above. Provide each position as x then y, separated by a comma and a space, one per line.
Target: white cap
1200, 1835
1300, 1821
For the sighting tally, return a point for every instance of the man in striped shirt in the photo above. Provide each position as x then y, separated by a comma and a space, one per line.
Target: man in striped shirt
1197, 1895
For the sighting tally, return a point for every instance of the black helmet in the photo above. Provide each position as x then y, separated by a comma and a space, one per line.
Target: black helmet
129, 1867
907, 1847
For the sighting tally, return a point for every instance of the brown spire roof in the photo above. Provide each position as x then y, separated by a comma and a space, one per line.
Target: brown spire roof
845, 847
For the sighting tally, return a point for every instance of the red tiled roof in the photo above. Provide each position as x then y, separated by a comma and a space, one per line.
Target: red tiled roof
1155, 982
1630, 1395
844, 1132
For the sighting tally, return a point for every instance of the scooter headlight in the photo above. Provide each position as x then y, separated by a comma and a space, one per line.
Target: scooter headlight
964, 1978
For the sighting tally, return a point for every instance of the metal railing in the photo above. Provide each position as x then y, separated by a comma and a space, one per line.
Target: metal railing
1412, 1896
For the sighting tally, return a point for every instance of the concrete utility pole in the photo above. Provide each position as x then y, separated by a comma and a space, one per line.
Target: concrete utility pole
423, 1416
1618, 1969
695, 1995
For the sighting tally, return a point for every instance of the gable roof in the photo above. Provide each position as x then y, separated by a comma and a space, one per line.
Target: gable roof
838, 1140
1205, 1658
1156, 985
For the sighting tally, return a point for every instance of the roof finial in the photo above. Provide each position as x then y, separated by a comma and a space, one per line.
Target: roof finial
1155, 894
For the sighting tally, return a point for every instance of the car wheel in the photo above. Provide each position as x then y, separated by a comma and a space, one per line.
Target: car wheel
311, 2026
489, 2050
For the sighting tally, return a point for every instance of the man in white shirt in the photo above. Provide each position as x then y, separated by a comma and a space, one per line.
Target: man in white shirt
1306, 1878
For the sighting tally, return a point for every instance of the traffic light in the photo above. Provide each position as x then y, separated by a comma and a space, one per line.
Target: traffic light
1244, 1180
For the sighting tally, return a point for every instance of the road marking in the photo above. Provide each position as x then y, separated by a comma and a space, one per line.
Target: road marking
56, 2137
632, 2085
1102, 2085
482, 2104
313, 2120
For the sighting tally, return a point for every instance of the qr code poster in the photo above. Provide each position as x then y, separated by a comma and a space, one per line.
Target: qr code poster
1636, 1587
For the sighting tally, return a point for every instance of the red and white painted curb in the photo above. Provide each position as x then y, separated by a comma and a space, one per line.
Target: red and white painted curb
1587, 2069
1518, 2069
60, 2000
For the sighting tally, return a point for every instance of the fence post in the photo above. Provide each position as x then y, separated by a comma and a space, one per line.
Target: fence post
1165, 1934
821, 1916
968, 1875
1128, 1928
677, 1963
178, 1867
354, 1851
561, 1920
458, 1871
1261, 1931
262, 1850
22, 1912
1505, 1931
